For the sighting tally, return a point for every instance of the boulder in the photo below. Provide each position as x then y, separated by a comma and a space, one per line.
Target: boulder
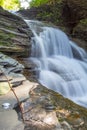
15, 35
48, 110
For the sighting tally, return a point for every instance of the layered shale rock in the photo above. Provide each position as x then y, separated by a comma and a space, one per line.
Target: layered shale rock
14, 34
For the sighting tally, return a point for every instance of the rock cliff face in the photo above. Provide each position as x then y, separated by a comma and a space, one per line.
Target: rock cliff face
70, 15
14, 38
75, 19
73, 12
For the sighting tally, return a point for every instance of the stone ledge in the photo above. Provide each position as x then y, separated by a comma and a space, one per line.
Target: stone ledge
21, 91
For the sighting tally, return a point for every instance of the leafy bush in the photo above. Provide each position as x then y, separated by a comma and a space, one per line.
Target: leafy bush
10, 4
36, 3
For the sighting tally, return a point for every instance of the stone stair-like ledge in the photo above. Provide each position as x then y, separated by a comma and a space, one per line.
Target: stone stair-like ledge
21, 91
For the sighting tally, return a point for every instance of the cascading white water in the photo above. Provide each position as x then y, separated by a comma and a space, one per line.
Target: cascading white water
62, 64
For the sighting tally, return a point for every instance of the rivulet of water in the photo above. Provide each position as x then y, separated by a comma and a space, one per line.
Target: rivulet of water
62, 64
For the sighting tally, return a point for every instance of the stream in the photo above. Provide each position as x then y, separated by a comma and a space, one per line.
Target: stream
61, 64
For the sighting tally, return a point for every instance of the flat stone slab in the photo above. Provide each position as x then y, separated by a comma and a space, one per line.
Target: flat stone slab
8, 117
21, 91
3, 78
9, 121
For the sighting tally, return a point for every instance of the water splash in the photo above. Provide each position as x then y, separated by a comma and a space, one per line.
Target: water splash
62, 64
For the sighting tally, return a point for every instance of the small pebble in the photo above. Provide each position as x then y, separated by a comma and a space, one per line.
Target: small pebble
6, 105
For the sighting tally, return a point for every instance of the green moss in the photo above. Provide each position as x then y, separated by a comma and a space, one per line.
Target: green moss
4, 43
45, 16
6, 38
83, 22
51, 13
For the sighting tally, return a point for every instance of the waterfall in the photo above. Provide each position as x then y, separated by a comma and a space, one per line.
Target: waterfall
61, 63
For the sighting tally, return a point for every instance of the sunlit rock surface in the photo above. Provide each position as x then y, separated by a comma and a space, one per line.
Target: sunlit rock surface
46, 109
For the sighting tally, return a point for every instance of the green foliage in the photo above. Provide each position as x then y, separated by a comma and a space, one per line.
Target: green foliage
36, 3
84, 22
10, 4
1, 2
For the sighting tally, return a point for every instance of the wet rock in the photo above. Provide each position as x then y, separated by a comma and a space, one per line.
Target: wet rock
10, 64
17, 81
75, 119
28, 64
2, 69
66, 115
1, 72
16, 75
49, 107
6, 105
15, 69
10, 71
15, 84
1, 55
3, 63
66, 125
7, 61
3, 78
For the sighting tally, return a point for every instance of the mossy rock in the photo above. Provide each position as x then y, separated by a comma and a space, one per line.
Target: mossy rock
80, 31
66, 111
4, 88
14, 34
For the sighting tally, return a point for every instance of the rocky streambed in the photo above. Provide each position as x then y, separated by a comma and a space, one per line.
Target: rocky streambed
42, 108
11, 72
